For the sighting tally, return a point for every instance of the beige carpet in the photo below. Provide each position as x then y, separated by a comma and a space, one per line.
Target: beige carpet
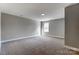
36, 46
62, 51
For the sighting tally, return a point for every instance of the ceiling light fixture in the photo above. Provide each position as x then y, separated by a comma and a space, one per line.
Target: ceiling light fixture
42, 14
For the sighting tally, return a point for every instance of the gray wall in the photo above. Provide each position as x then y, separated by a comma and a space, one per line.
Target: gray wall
56, 28
72, 26
0, 31
13, 27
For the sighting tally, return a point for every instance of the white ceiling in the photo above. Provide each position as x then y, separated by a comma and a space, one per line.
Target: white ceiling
34, 10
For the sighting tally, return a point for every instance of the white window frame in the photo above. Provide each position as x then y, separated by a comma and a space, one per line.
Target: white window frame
46, 27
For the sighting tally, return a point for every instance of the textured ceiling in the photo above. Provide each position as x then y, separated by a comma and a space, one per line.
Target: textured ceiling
34, 10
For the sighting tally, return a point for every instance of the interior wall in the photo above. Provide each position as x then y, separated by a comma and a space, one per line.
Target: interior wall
72, 26
13, 27
0, 31
59, 28
56, 28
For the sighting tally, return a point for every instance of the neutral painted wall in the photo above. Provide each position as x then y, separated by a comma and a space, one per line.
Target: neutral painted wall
72, 26
0, 31
56, 28
13, 27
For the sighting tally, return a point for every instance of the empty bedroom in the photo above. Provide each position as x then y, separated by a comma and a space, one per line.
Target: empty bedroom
39, 28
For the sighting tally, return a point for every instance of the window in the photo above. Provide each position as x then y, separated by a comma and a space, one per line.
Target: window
46, 27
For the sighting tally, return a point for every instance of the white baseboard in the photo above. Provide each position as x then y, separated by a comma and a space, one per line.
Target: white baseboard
56, 37
17, 39
72, 48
